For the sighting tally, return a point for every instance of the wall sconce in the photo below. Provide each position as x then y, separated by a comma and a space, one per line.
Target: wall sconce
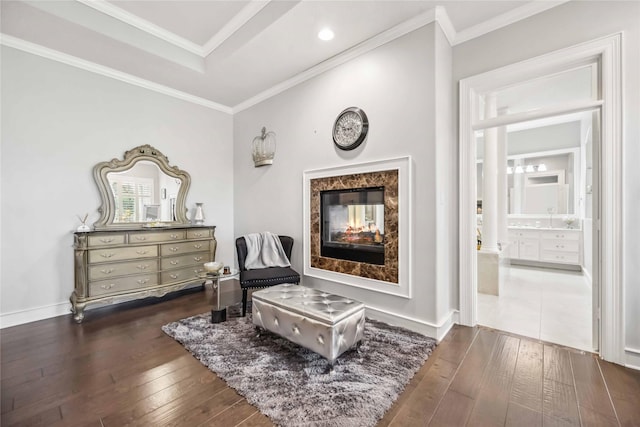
264, 148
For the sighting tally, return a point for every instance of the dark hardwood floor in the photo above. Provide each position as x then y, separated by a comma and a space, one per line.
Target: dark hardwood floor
118, 368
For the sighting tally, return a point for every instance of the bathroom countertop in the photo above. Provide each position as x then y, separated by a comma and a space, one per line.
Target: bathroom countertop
531, 227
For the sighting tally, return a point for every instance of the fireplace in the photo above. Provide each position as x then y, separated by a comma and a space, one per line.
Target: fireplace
352, 224
357, 225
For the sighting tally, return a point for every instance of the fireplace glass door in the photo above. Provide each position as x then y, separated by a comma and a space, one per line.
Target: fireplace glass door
352, 225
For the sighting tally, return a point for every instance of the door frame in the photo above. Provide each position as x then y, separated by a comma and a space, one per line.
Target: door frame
607, 52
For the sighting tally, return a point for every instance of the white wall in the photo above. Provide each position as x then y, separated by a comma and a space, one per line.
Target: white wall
566, 25
395, 85
57, 123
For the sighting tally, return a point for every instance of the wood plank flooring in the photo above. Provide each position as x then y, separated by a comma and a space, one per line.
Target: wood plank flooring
118, 368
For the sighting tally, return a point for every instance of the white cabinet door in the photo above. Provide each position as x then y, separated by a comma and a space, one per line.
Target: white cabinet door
529, 248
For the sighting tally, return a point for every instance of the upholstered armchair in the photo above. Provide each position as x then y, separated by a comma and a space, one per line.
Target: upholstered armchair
263, 277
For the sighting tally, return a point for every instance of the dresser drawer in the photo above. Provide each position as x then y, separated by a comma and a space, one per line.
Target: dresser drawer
122, 284
118, 254
561, 245
190, 273
185, 260
156, 237
562, 257
106, 239
204, 233
564, 235
104, 271
184, 247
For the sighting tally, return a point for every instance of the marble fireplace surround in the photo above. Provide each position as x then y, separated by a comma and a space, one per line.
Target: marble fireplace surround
394, 276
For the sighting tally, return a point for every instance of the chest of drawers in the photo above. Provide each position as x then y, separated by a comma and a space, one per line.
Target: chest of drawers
123, 265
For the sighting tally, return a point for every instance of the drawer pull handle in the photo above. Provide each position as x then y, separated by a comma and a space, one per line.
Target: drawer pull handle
174, 236
174, 262
142, 281
197, 246
143, 266
174, 249
142, 252
197, 259
106, 239
107, 287
108, 270
107, 254
198, 234
174, 276
141, 238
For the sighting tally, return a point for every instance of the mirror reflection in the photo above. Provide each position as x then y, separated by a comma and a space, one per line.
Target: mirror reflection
143, 194
141, 190
547, 166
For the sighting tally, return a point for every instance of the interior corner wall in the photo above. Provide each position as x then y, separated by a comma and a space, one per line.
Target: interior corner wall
394, 85
446, 182
567, 25
57, 123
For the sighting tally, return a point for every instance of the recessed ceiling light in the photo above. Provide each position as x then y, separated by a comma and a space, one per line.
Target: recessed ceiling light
325, 34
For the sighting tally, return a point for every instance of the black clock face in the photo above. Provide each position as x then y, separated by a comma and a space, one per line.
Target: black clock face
350, 128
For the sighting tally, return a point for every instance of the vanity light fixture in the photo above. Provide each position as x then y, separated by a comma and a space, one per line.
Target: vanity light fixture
509, 170
542, 167
326, 34
519, 169
529, 168
264, 148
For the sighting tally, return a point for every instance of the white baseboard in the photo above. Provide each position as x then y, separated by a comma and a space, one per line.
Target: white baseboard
632, 358
437, 331
34, 314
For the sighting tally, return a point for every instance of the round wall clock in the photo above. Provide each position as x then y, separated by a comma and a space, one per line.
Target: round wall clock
350, 128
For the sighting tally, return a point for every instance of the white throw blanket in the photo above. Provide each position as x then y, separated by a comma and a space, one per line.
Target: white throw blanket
264, 250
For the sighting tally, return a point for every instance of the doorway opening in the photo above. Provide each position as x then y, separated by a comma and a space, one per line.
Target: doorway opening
545, 274
479, 112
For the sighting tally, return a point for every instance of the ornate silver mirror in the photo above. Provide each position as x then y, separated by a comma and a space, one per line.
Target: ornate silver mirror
141, 190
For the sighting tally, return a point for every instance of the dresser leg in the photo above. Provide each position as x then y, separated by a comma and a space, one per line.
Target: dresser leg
78, 312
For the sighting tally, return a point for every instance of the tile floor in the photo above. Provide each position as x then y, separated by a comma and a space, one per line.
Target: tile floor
548, 304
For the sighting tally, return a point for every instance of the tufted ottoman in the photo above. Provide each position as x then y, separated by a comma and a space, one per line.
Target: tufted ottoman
324, 323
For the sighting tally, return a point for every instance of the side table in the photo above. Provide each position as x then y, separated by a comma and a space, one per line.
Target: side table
218, 313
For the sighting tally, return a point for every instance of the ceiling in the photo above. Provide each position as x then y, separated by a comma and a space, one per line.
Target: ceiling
233, 53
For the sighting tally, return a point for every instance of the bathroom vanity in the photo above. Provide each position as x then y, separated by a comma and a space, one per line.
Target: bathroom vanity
562, 246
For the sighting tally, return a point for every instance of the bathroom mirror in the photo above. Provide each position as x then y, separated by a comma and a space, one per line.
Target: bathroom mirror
141, 190
539, 183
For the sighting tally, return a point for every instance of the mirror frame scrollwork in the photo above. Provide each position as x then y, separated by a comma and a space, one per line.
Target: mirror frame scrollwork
131, 158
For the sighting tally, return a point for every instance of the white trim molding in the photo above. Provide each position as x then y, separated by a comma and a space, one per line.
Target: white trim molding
523, 12
19, 317
632, 359
607, 51
403, 166
74, 61
435, 330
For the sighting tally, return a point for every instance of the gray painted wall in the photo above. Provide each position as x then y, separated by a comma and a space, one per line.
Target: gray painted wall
57, 123
395, 85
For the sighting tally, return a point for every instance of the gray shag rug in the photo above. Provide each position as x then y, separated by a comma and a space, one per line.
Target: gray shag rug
294, 386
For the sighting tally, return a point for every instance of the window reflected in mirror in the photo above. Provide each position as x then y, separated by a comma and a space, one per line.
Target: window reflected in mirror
143, 194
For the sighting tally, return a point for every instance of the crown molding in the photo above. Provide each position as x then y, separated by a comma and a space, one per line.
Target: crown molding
442, 17
237, 22
525, 11
349, 54
143, 25
74, 61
